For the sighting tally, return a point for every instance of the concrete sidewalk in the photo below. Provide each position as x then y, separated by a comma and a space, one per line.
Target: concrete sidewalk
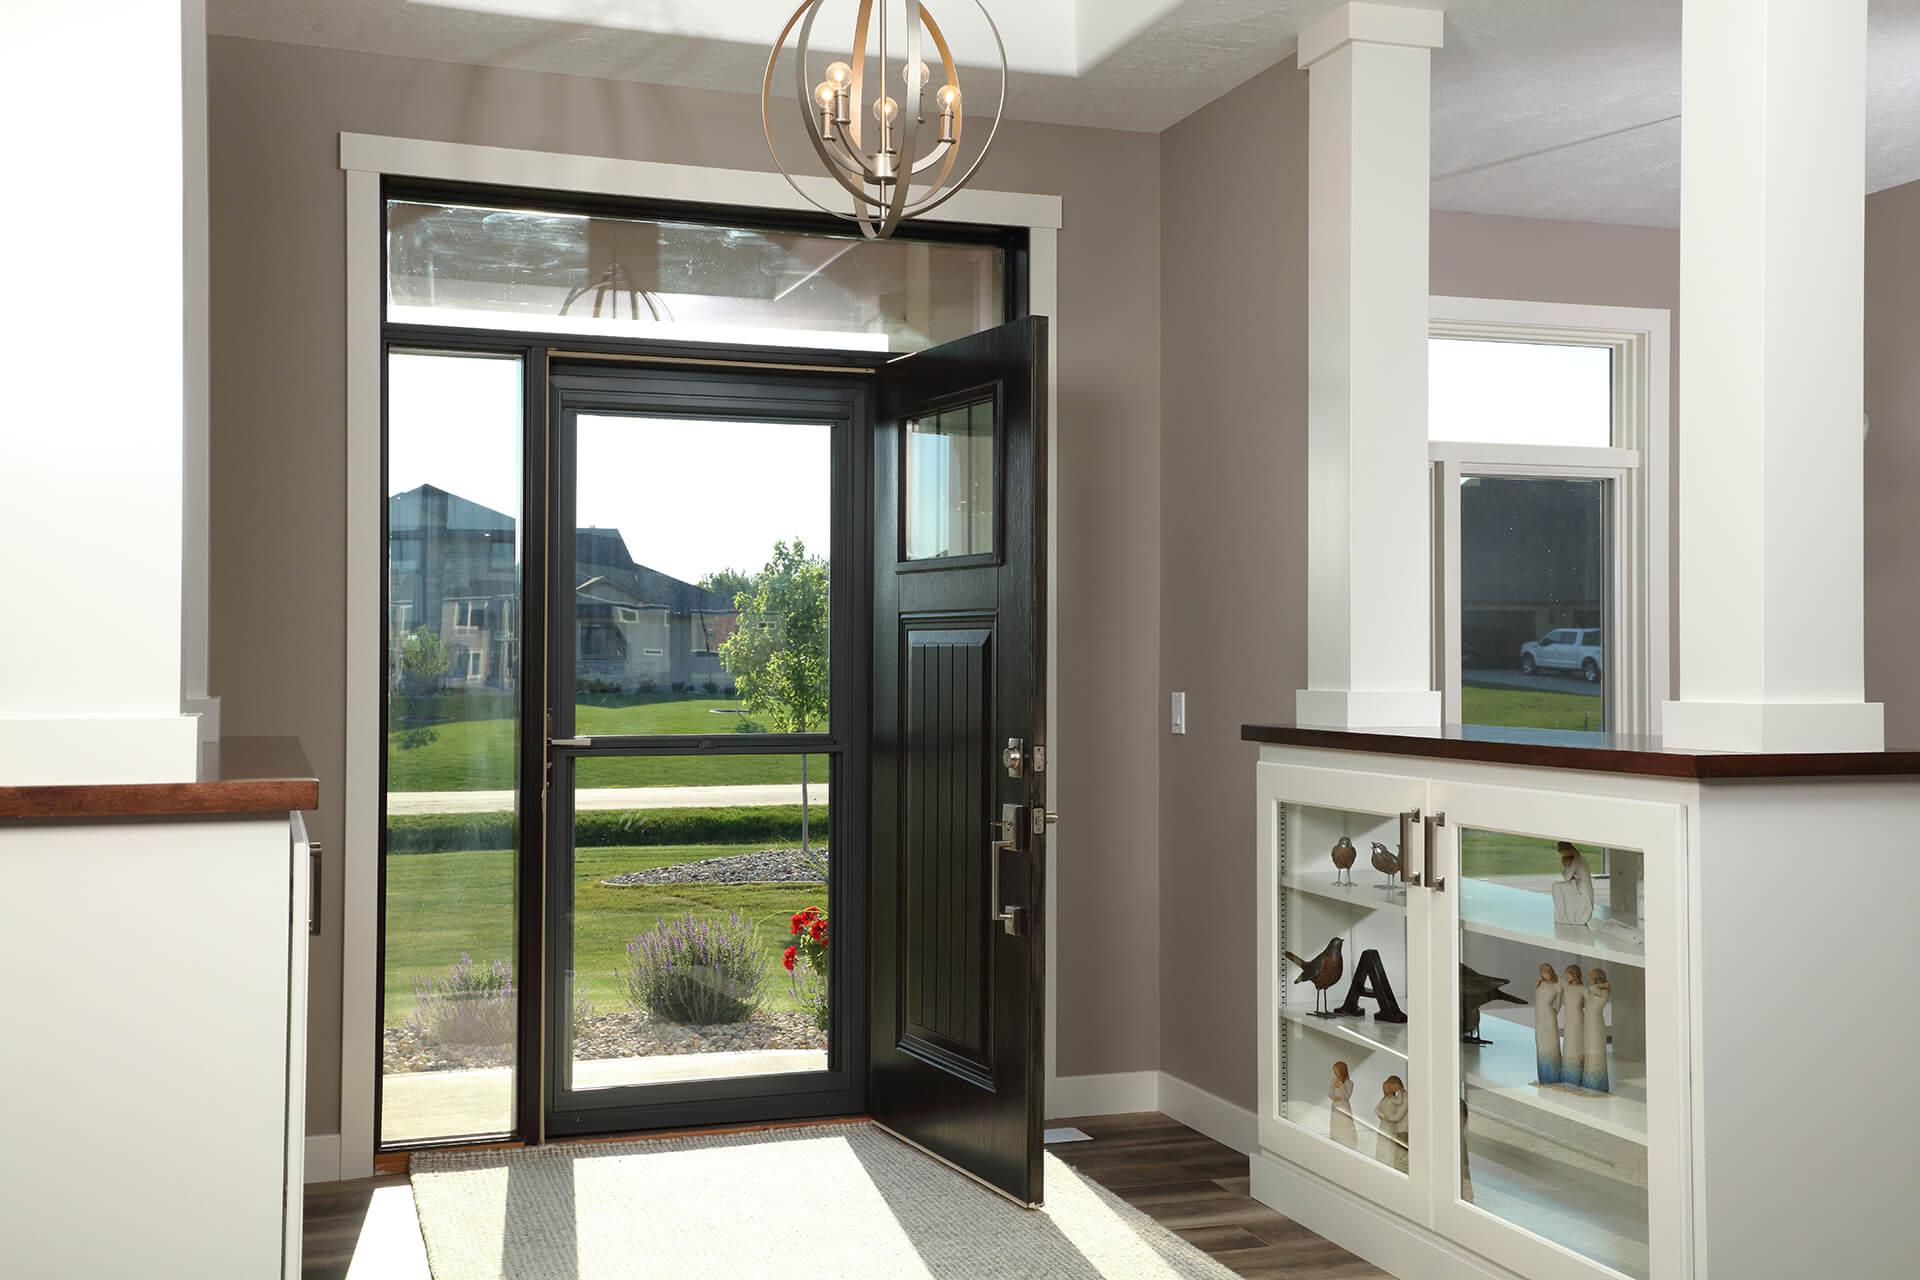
409, 802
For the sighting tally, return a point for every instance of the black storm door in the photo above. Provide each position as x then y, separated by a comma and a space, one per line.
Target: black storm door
959, 782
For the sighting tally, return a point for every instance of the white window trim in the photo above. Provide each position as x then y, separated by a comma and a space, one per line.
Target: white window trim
1638, 463
366, 160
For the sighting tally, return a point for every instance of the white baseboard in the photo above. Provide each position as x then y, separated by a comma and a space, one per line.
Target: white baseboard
1125, 1092
323, 1157
1227, 1123
1361, 1227
1118, 1093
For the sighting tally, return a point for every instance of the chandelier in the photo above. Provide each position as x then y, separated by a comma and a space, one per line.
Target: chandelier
880, 161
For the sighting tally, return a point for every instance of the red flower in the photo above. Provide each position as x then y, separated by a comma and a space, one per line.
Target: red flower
788, 958
818, 932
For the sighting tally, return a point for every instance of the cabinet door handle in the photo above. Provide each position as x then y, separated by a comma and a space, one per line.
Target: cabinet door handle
313, 887
1434, 821
1407, 820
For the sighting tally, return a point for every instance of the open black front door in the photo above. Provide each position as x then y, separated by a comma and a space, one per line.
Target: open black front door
959, 782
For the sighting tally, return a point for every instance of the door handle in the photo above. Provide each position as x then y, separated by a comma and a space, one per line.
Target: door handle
1436, 883
1407, 819
569, 742
1006, 835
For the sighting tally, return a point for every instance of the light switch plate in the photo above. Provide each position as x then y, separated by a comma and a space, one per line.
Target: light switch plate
1179, 724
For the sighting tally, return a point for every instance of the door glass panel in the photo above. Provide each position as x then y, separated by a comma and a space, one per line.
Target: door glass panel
700, 578
950, 483
550, 272
1535, 559
1552, 1039
452, 758
1343, 981
701, 918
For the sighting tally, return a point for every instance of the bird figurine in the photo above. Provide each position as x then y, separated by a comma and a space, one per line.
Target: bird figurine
1386, 862
1344, 855
1322, 971
1477, 989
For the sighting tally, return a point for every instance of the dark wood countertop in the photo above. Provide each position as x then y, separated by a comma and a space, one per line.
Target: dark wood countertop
1591, 753
237, 775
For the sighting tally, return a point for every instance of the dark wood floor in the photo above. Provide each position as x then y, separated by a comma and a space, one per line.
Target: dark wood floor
1197, 1188
1187, 1182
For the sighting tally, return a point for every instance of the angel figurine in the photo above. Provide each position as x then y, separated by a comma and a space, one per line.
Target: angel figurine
1391, 1148
1573, 1054
1340, 1093
1547, 998
1593, 1061
1573, 895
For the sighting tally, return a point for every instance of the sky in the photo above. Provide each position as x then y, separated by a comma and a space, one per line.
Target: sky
690, 498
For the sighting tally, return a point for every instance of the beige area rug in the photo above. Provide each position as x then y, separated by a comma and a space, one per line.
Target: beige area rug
799, 1204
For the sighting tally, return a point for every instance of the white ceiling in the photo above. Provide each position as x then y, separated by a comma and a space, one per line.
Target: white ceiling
1542, 108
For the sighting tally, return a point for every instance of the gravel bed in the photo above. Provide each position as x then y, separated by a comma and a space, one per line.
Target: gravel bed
613, 1035
769, 866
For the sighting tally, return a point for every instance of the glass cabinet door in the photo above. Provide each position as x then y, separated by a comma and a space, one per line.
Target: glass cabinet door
1558, 1001
1341, 1087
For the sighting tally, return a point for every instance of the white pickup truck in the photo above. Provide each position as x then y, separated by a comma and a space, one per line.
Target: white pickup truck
1567, 649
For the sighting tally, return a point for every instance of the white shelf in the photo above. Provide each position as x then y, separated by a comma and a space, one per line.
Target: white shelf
1486, 907
1502, 911
1507, 1067
1366, 893
1388, 1037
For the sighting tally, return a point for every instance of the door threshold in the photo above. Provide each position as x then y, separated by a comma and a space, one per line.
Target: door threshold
392, 1162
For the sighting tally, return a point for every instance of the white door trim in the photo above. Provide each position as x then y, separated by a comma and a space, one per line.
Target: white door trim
366, 159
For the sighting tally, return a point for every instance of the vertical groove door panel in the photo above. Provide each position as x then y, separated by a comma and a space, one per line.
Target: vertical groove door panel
947, 718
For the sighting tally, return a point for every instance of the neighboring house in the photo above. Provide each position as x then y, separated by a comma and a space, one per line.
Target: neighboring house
452, 568
638, 628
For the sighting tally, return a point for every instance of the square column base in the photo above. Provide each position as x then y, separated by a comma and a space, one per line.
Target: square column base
1789, 727
1367, 708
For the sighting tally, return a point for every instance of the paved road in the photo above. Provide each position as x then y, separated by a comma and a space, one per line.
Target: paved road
400, 802
1555, 683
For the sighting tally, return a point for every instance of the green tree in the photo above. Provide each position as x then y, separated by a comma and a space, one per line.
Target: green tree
424, 660
778, 654
730, 583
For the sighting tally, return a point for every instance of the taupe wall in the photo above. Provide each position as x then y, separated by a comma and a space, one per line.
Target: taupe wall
1893, 458
279, 443
1233, 516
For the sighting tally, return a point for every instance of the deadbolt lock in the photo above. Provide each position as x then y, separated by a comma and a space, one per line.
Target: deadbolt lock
1015, 757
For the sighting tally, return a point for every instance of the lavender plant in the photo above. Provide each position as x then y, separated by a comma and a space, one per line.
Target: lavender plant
697, 972
470, 1006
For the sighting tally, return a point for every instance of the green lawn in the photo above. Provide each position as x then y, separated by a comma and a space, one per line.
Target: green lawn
478, 755
1531, 708
442, 904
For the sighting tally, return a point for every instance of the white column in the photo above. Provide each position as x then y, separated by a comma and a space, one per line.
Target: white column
92, 437
1772, 251
1369, 534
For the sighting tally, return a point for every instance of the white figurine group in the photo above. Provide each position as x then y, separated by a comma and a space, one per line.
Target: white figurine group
1390, 1146
1581, 1062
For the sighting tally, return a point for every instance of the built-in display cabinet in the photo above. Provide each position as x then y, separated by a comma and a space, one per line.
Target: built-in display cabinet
1481, 988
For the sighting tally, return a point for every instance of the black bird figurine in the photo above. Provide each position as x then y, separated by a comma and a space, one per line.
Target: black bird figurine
1344, 855
1322, 971
1477, 989
1386, 862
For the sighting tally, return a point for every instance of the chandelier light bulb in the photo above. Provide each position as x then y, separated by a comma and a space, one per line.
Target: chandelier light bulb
839, 74
886, 110
918, 75
948, 97
824, 93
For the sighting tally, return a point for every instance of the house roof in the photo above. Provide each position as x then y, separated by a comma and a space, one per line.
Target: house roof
598, 553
